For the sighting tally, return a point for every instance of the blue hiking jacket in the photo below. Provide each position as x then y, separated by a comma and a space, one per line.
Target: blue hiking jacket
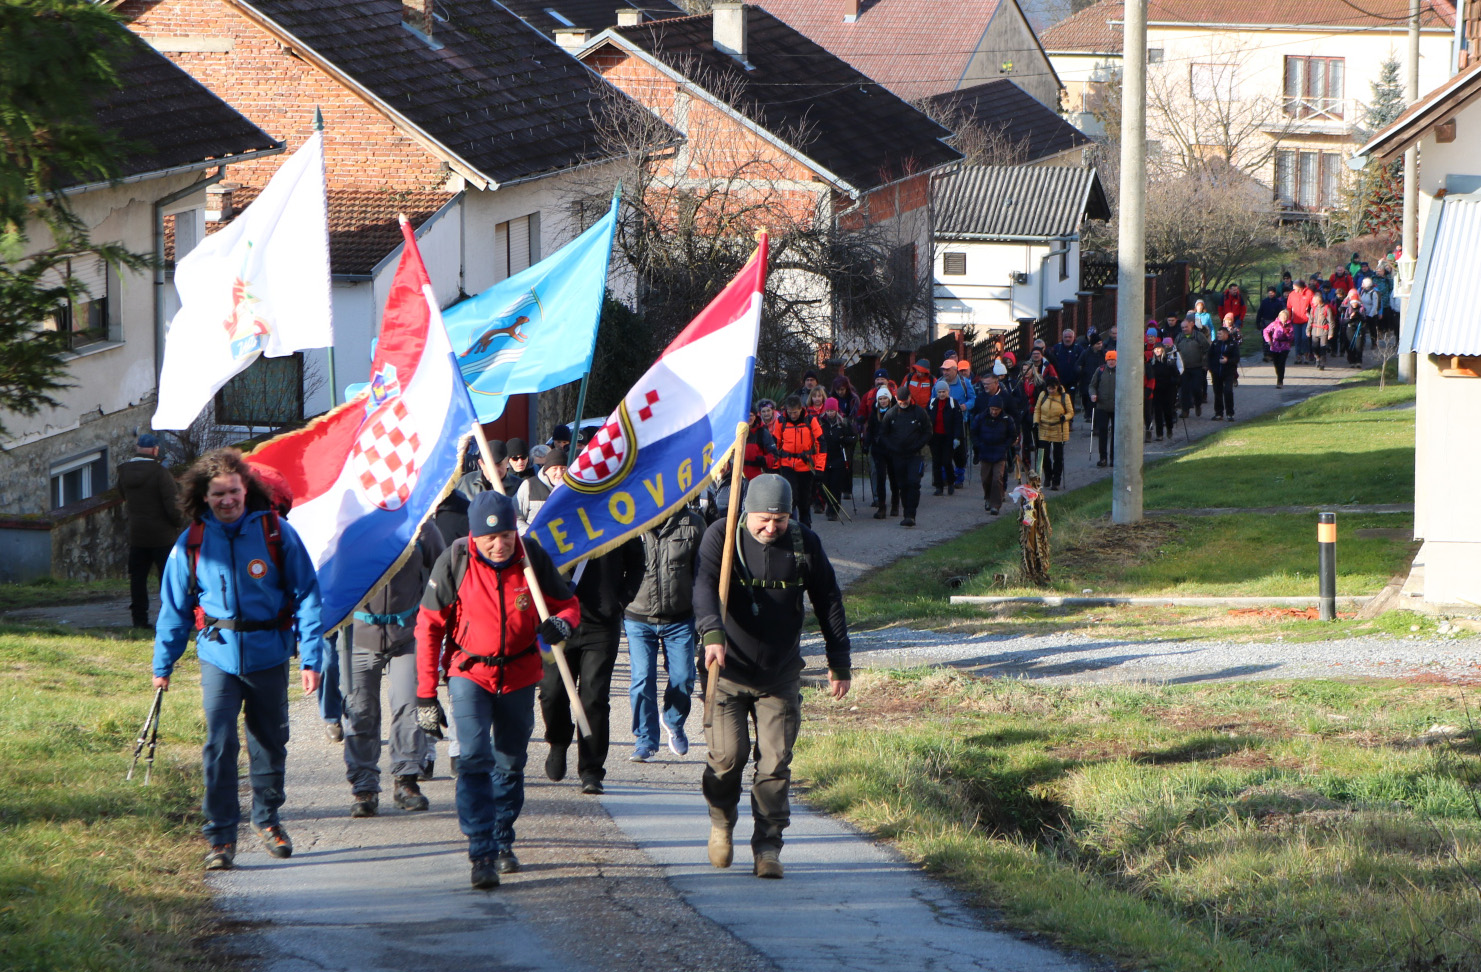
238, 579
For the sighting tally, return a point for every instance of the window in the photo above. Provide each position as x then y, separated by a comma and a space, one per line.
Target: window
1212, 82
1313, 87
1064, 261
83, 318
518, 243
954, 264
268, 393
79, 478
1307, 180
1154, 55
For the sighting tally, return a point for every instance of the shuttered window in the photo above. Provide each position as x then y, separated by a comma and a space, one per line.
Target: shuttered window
954, 264
518, 243
83, 317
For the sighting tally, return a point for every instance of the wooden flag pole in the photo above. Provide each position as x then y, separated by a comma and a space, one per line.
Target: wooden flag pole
727, 557
541, 608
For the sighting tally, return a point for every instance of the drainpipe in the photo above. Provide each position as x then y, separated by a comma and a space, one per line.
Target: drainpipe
1459, 43
1044, 277
159, 265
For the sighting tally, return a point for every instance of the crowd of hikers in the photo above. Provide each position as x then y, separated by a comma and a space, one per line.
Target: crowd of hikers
1016, 416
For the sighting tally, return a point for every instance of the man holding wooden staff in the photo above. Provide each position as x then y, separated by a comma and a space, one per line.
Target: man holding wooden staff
484, 601
759, 569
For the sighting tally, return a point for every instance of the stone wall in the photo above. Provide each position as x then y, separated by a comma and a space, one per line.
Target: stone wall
90, 540
25, 471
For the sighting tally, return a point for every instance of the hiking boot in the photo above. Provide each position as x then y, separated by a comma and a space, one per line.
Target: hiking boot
1159, 436
894, 508
555, 764
365, 805
1147, 436
506, 862
993, 510
221, 857
768, 864
592, 787
1101, 463
408, 795
880, 514
485, 875
940, 491
832, 515
722, 852
1197, 411
334, 731
950, 489
678, 740
427, 767
908, 521
278, 843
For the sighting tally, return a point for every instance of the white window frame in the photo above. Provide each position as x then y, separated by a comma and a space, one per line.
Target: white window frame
88, 462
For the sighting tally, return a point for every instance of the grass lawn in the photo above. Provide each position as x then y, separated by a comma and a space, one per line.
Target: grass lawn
1246, 826
97, 873
1348, 446
49, 591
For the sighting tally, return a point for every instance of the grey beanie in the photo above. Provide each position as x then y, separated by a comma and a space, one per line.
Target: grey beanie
768, 493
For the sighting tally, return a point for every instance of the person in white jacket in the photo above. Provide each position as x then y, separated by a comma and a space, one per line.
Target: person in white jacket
534, 491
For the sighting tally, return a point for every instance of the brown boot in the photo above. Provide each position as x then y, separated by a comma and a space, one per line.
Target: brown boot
768, 864
722, 851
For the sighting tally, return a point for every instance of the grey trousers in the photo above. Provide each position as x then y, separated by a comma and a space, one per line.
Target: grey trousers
362, 718
778, 713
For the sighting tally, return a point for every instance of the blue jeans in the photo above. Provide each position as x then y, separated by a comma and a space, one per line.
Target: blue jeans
331, 698
491, 768
643, 643
263, 696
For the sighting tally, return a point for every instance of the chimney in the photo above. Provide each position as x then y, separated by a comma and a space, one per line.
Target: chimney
629, 17
730, 29
850, 11
572, 39
417, 14
218, 201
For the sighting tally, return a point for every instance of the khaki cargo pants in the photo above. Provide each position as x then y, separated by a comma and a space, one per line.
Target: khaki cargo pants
778, 713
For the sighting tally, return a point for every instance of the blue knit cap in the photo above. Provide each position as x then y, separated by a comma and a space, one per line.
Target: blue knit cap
491, 512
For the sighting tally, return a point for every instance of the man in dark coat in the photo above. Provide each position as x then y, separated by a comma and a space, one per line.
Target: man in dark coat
150, 501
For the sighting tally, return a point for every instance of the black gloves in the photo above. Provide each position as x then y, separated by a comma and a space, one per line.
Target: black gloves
554, 630
430, 717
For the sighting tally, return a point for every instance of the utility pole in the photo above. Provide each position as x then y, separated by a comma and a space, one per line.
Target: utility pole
1411, 188
1131, 269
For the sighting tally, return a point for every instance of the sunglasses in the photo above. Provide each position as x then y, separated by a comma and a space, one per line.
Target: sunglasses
518, 458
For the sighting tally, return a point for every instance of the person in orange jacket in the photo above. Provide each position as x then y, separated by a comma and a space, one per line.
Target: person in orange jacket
918, 383
800, 453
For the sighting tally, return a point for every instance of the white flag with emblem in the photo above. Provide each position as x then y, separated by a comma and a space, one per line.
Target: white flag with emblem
259, 286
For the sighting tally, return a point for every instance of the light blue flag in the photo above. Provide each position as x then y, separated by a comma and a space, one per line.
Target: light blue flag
537, 329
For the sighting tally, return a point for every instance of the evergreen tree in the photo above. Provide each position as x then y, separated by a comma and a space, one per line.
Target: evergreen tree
1388, 97
55, 57
1381, 204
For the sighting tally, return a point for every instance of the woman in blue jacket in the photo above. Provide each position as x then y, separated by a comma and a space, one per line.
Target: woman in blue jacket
240, 579
993, 435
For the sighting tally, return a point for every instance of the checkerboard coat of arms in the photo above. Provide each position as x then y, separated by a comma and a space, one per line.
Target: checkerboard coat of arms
384, 459
608, 457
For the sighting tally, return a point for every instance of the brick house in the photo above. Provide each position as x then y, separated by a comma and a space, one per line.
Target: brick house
55, 465
457, 114
765, 110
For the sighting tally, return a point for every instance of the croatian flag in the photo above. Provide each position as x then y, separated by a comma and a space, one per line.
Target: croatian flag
368, 473
677, 423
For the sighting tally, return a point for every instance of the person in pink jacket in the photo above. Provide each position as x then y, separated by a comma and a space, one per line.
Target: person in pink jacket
1280, 335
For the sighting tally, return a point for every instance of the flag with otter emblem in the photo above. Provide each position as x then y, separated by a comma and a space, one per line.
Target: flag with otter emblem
366, 475
656, 451
538, 329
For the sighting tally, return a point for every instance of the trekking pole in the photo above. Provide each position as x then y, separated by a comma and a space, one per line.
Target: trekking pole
727, 562
829, 497
1090, 452
578, 711
148, 734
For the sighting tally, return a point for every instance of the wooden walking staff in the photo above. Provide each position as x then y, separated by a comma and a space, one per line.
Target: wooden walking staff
727, 557
538, 595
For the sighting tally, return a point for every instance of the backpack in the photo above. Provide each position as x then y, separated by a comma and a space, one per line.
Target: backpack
794, 537
272, 535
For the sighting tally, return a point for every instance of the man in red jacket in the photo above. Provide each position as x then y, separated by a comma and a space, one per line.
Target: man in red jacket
479, 600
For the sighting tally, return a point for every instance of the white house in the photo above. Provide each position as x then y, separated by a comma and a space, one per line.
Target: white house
1008, 241
66, 454
1442, 329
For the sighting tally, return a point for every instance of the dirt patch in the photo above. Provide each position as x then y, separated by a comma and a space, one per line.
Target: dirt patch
1300, 614
1099, 548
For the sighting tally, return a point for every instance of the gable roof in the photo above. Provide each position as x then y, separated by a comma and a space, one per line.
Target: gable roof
853, 132
169, 120
912, 47
492, 96
1012, 202
1420, 118
548, 16
1017, 116
1097, 28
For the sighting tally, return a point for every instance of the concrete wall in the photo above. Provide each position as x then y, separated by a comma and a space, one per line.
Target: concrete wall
1447, 477
986, 297
1010, 41
82, 542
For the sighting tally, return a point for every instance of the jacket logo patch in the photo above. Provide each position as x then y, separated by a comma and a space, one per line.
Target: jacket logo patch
522, 602
257, 569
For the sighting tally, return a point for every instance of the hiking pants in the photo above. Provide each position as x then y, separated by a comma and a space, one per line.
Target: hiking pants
992, 482
885, 484
362, 745
1105, 432
1224, 393
262, 696
495, 732
141, 561
1165, 406
1195, 387
591, 652
908, 472
778, 713
943, 471
802, 490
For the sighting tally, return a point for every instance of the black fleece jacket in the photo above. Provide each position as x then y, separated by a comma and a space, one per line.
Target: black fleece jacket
764, 645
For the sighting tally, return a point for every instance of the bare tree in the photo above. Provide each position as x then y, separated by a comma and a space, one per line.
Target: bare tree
980, 143
692, 207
